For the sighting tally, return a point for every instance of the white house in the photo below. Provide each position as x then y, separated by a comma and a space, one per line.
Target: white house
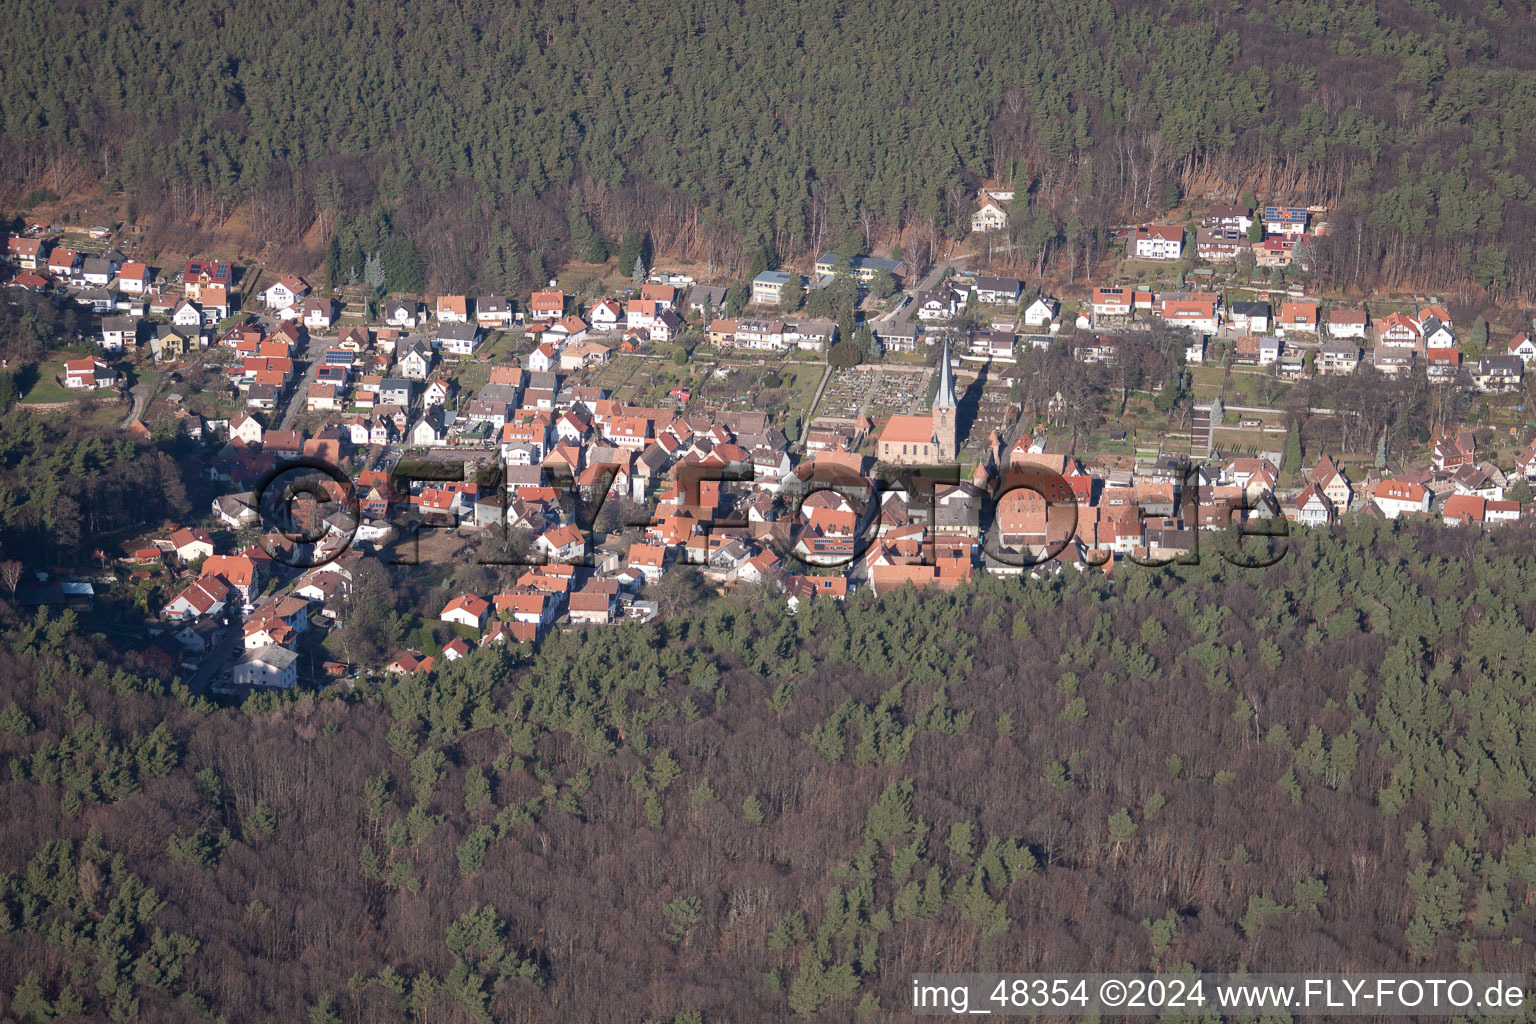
493, 311
1437, 334
466, 610
119, 332
187, 314
403, 313
1041, 312
1157, 242
458, 338
319, 313
1347, 323
990, 216
1522, 347
272, 667
561, 544
285, 291
1399, 497
1313, 507
416, 362
606, 316
453, 309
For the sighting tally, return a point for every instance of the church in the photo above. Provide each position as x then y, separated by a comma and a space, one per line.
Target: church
925, 440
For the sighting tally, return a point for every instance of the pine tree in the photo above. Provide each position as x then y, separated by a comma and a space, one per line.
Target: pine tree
792, 294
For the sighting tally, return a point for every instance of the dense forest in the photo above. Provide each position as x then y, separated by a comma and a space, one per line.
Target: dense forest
482, 142
740, 814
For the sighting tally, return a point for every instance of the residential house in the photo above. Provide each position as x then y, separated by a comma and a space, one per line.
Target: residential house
402, 313
246, 428
1274, 252
97, 271
760, 334
561, 544
547, 305
190, 544
26, 253
88, 374
566, 331
1285, 220
1197, 312
1338, 356
187, 315
203, 597
1347, 323
493, 311
1311, 507
452, 309
241, 572
997, 291
1436, 333
1228, 216
811, 335
1523, 348
943, 303
119, 333
1217, 245
466, 610
1157, 242
1441, 363
1401, 497
1298, 317
896, 337
1333, 482
134, 278
664, 295
989, 216
319, 312
63, 262
1113, 301
1251, 317
703, 300
199, 274
1041, 312
285, 291
1397, 331
271, 667
458, 337
415, 363
1498, 373
606, 315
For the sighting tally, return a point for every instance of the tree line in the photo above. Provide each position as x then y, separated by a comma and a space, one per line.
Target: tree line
498, 140
737, 813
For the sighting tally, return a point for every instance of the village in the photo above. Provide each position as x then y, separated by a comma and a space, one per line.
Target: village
602, 442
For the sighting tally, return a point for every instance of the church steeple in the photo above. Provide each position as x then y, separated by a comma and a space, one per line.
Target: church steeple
945, 399
945, 411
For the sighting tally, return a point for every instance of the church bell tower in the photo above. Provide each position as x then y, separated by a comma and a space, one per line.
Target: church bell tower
945, 427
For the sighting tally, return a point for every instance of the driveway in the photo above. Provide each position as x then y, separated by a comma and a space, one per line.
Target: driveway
140, 393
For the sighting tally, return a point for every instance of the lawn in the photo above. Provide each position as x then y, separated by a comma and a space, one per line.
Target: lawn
801, 379
45, 389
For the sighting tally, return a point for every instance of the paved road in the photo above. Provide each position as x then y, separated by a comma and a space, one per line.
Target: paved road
140, 393
226, 649
810, 411
926, 284
300, 394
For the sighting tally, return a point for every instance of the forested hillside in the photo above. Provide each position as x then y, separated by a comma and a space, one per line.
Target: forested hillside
744, 815
486, 140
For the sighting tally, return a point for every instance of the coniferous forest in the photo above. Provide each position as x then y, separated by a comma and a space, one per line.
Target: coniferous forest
481, 143
742, 814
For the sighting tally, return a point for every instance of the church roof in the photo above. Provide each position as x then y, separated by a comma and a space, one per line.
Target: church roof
945, 398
